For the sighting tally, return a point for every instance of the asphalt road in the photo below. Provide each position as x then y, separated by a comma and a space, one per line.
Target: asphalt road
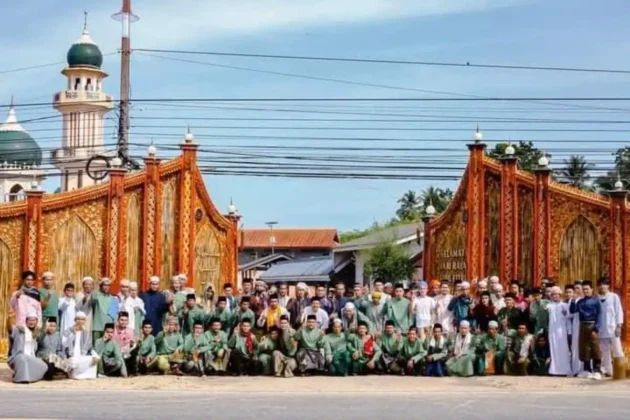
110, 405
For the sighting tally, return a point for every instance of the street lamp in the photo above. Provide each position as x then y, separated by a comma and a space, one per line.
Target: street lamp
272, 239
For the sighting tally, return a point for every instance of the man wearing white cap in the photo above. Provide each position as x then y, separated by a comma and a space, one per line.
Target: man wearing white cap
76, 345
460, 305
155, 305
101, 303
84, 302
490, 351
132, 304
462, 352
295, 306
49, 297
26, 367
558, 335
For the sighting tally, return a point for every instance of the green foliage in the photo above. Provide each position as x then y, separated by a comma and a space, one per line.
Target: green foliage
622, 171
525, 151
389, 262
375, 227
575, 171
440, 198
408, 209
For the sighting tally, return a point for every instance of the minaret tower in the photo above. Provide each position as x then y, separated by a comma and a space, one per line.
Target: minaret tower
83, 105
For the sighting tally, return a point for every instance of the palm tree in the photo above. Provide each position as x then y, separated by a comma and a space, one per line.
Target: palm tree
575, 171
438, 197
408, 209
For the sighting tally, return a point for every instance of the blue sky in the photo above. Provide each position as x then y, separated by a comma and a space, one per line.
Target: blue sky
558, 33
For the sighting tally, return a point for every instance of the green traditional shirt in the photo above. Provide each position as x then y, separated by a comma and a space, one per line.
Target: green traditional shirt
513, 317
412, 351
485, 343
179, 300
334, 343
52, 308
266, 346
216, 345
192, 343
168, 343
111, 350
187, 319
539, 315
100, 305
237, 316
285, 342
225, 317
437, 350
390, 344
309, 339
238, 343
147, 346
398, 311
356, 343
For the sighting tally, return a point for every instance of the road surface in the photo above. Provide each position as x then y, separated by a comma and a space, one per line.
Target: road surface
180, 404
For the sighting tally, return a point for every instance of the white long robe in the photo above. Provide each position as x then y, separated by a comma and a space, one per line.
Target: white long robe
67, 309
558, 339
611, 317
442, 314
573, 325
83, 367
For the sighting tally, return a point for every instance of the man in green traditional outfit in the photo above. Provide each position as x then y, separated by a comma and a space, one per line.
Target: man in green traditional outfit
242, 312
101, 302
351, 319
462, 353
268, 344
195, 348
336, 350
538, 312
517, 358
244, 346
411, 355
510, 312
365, 350
49, 298
310, 342
284, 362
169, 344
146, 348
398, 310
218, 355
221, 313
390, 347
490, 348
189, 314
436, 346
111, 362
540, 357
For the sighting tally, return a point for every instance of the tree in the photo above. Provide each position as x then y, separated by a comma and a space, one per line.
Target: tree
575, 171
389, 262
525, 151
622, 171
438, 197
408, 209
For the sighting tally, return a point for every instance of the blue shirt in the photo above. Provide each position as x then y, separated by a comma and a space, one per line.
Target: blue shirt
588, 308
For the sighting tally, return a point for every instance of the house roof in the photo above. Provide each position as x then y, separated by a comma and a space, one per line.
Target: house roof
398, 234
289, 238
263, 261
306, 270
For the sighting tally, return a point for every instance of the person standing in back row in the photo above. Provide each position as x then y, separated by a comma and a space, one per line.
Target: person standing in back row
610, 325
589, 310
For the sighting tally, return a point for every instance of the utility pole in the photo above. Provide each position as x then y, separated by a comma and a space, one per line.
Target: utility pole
127, 18
272, 239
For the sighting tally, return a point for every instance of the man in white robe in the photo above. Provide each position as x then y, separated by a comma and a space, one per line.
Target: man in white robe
76, 345
134, 306
611, 321
26, 367
443, 316
67, 308
558, 335
574, 326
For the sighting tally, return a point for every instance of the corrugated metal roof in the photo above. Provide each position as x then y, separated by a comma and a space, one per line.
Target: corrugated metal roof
395, 233
263, 261
289, 238
308, 269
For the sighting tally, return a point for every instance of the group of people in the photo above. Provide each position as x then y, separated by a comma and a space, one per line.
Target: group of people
388, 329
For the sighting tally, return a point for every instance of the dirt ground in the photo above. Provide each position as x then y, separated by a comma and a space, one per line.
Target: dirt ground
363, 384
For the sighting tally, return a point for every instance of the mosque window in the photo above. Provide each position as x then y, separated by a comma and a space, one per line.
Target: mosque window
77, 83
88, 85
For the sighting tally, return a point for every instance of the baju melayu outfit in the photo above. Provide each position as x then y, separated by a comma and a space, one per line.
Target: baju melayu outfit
460, 307
517, 357
351, 323
195, 350
168, 348
67, 311
539, 316
390, 348
243, 357
438, 350
49, 350
490, 354
443, 315
397, 310
125, 339
266, 347
589, 310
559, 339
49, 299
135, 308
573, 326
410, 351
222, 315
77, 347
374, 313
337, 353
369, 351
296, 308
512, 315
188, 316
463, 350
218, 354
310, 344
83, 304
24, 363
538, 359
101, 303
237, 316
146, 349
111, 362
284, 363
155, 306
610, 330
320, 315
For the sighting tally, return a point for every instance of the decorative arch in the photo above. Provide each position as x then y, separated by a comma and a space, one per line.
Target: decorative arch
6, 277
580, 252
73, 252
207, 260
15, 191
168, 231
134, 240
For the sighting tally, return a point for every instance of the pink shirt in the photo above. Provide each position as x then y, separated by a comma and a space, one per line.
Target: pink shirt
123, 337
24, 305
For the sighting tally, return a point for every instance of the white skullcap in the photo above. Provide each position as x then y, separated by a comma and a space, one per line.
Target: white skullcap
482, 283
493, 324
154, 279
498, 287
87, 279
48, 275
556, 289
494, 279
104, 280
133, 285
80, 315
182, 277
349, 305
465, 285
124, 282
175, 279
301, 285
388, 284
337, 321
32, 315
464, 323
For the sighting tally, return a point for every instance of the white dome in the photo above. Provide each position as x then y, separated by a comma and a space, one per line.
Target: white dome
543, 162
430, 210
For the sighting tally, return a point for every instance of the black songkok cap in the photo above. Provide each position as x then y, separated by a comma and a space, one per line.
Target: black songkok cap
123, 313
390, 322
536, 291
198, 322
190, 296
146, 322
313, 317
436, 325
245, 299
109, 325
588, 283
363, 324
52, 319
510, 295
603, 280
222, 299
284, 317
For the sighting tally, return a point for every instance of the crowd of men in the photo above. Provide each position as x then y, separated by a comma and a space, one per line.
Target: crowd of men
388, 329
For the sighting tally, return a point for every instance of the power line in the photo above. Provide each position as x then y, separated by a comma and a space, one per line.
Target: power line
466, 64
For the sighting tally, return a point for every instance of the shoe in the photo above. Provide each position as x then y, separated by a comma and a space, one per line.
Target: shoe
583, 375
596, 376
